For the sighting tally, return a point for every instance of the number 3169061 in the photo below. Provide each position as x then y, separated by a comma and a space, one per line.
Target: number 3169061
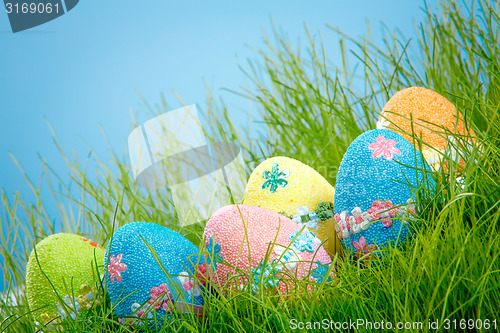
32, 8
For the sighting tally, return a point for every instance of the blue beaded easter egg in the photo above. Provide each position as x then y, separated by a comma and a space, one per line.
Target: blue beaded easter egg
376, 182
138, 286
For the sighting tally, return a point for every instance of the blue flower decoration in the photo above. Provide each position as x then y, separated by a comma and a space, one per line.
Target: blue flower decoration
320, 272
213, 250
304, 241
265, 275
275, 178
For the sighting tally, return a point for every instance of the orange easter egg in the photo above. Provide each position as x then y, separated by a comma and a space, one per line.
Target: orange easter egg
431, 114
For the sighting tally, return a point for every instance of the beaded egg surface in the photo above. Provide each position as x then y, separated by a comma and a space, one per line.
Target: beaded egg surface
137, 284
429, 111
374, 189
71, 263
287, 186
238, 237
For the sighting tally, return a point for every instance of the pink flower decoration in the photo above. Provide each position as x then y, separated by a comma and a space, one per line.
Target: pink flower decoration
156, 293
387, 223
203, 273
188, 285
382, 207
384, 148
116, 267
363, 249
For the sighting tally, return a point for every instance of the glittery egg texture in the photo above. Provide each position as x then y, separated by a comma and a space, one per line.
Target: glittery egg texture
138, 286
70, 262
374, 188
290, 187
238, 237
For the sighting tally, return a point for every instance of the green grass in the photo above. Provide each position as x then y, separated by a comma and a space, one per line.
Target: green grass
312, 110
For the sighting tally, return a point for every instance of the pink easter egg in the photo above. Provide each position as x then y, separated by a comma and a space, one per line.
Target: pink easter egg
239, 237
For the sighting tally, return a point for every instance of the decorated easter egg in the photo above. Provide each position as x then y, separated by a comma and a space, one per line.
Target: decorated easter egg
256, 248
431, 114
150, 274
375, 189
289, 187
73, 265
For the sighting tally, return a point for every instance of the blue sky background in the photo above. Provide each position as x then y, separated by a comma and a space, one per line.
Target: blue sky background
83, 70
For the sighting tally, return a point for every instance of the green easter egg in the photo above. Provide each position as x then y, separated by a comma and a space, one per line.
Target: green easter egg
68, 261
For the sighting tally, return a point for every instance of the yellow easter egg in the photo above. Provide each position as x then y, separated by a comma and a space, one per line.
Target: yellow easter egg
430, 113
289, 187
